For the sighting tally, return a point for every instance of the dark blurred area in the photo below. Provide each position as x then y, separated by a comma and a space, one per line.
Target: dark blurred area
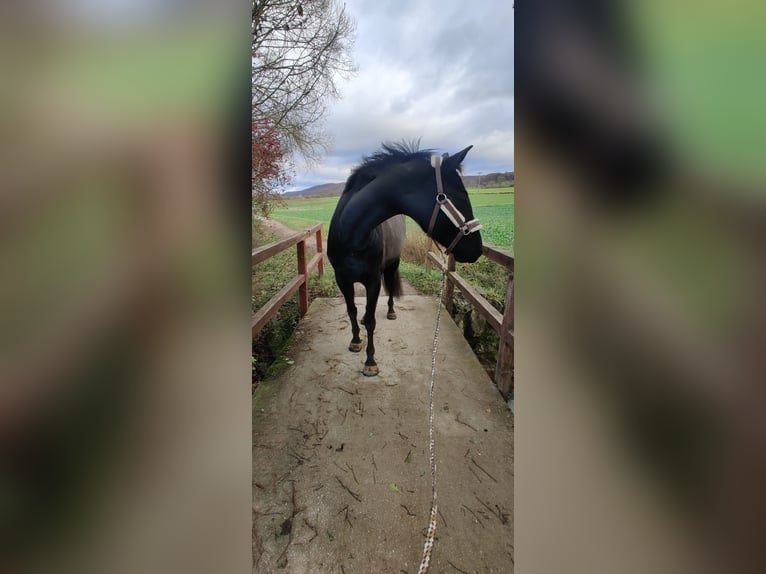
124, 299
640, 322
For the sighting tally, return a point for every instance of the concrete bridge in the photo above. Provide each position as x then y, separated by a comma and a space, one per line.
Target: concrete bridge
341, 479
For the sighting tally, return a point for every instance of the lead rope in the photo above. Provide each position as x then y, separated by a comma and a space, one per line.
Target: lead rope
431, 533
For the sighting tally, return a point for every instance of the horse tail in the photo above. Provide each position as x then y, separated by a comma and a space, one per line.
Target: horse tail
393, 232
392, 235
392, 280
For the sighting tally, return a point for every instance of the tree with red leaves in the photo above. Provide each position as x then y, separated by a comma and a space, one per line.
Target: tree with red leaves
299, 51
270, 166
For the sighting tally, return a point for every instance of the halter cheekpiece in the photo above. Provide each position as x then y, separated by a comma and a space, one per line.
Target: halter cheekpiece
443, 203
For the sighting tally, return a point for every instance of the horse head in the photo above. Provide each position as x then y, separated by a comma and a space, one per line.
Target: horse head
457, 231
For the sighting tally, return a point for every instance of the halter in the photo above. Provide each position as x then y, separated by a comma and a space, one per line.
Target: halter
445, 204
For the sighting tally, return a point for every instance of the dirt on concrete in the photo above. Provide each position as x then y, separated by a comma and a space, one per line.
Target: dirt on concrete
341, 479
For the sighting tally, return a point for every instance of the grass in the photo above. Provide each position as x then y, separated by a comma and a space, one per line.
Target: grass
495, 210
271, 275
422, 280
301, 213
494, 207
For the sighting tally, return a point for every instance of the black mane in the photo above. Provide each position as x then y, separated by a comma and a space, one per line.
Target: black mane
389, 155
393, 153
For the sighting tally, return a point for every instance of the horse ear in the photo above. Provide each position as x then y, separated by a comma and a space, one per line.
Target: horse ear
454, 161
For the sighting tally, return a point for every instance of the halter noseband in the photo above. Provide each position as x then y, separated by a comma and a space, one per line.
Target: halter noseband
444, 204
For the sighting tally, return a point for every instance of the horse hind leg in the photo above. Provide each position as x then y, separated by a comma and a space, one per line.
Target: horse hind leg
393, 284
391, 312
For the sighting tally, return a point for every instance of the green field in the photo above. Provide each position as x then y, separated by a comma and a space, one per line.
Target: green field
493, 207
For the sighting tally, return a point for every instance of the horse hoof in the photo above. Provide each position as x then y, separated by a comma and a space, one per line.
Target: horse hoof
370, 370
391, 315
355, 347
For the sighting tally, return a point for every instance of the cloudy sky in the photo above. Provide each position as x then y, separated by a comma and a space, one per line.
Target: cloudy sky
439, 71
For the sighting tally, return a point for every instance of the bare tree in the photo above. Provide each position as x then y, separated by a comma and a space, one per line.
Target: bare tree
300, 50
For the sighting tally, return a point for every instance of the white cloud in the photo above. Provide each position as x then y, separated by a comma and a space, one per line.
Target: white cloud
440, 71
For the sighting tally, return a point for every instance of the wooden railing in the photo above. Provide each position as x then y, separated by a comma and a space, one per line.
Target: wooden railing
298, 283
501, 323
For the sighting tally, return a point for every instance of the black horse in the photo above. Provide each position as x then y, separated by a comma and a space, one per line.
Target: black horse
367, 229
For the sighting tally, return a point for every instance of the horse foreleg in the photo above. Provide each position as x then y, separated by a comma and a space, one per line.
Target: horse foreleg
347, 289
370, 367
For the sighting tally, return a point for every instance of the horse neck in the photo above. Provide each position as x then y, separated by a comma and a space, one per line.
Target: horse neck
381, 199
367, 209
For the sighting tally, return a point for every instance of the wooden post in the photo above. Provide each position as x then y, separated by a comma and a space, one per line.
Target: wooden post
504, 367
320, 265
449, 290
303, 292
428, 259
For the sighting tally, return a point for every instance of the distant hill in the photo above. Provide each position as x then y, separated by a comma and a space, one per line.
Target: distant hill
324, 190
499, 179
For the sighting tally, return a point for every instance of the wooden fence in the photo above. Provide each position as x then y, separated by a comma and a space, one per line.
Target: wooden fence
501, 323
298, 283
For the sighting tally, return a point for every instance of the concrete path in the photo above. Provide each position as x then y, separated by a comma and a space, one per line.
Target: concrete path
341, 481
